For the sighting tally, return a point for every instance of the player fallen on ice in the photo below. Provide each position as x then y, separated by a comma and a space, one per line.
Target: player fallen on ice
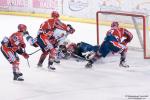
80, 50
11, 47
115, 41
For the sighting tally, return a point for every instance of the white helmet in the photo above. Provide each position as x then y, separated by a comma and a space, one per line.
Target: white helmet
5, 40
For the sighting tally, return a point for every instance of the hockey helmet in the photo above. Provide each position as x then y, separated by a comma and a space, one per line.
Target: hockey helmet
22, 27
5, 40
71, 47
115, 24
54, 14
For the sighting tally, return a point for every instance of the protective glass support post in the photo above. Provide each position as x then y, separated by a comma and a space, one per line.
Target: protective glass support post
147, 37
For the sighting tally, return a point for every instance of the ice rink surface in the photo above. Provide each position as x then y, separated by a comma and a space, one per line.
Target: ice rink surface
71, 81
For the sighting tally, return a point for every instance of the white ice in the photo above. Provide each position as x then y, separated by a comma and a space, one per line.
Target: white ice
71, 80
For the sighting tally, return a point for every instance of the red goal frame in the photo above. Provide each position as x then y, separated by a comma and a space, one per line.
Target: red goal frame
123, 14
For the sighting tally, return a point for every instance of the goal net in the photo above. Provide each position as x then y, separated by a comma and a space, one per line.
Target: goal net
136, 23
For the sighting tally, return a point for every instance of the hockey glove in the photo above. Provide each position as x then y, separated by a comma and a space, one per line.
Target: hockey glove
25, 55
25, 33
70, 29
23, 45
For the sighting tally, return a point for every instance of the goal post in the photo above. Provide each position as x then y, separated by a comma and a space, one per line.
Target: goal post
136, 23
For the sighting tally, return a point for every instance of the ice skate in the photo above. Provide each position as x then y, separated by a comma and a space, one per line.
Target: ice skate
89, 65
123, 64
39, 65
57, 61
50, 66
18, 76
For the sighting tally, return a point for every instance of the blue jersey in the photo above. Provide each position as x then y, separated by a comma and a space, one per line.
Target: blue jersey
85, 47
109, 37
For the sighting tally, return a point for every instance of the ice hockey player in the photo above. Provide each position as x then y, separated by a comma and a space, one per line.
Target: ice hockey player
83, 49
11, 47
115, 41
80, 51
48, 40
51, 27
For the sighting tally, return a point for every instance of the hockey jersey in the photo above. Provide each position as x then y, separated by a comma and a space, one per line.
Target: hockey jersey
51, 24
16, 41
119, 35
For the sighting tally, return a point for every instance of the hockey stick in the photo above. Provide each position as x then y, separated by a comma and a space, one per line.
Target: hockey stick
34, 52
27, 60
78, 57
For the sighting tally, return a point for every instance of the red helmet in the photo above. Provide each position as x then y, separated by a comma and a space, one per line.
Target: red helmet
54, 14
71, 47
114, 24
22, 27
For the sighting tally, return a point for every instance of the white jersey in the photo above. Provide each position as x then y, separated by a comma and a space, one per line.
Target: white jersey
60, 35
